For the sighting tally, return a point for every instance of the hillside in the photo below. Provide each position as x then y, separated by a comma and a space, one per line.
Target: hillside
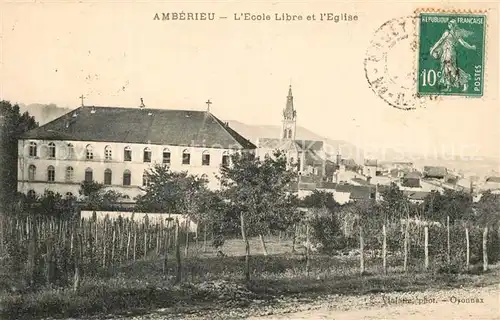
44, 113
482, 167
253, 132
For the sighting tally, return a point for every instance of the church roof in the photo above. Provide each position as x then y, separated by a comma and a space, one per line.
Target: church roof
134, 125
286, 144
281, 144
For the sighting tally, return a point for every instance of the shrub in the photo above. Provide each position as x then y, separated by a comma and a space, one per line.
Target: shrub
326, 231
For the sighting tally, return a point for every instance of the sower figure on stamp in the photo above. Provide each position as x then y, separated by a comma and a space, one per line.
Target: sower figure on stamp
445, 50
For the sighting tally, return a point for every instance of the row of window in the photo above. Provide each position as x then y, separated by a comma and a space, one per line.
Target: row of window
89, 175
32, 194
127, 154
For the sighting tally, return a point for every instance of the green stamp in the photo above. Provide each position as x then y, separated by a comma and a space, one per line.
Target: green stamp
451, 54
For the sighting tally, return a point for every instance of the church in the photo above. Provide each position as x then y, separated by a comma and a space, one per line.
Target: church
116, 145
309, 155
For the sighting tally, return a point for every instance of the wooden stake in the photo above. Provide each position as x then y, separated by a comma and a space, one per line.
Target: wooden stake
135, 239
405, 263
205, 238
104, 244
426, 247
178, 277
129, 237
186, 248
78, 261
247, 247
361, 251
467, 253
145, 241
294, 237
384, 249
448, 251
196, 237
485, 249
113, 243
263, 243
308, 246
121, 229
157, 240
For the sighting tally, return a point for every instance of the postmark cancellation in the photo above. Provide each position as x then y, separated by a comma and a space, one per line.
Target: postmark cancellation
432, 53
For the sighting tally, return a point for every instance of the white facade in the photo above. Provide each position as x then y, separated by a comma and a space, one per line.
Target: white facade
64, 171
369, 170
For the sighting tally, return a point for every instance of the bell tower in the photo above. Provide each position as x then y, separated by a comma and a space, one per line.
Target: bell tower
289, 122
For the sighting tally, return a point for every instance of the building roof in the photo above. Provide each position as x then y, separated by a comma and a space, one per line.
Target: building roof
413, 175
411, 180
361, 192
348, 162
435, 172
415, 195
371, 163
307, 186
148, 126
356, 192
493, 179
360, 181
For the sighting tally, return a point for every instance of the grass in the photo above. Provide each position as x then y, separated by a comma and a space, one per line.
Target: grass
142, 286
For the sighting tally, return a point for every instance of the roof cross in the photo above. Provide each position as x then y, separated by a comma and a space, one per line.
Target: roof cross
208, 104
81, 98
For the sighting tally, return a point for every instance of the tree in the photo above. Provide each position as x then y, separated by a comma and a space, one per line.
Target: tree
320, 199
50, 204
172, 192
215, 216
455, 204
325, 225
96, 197
12, 125
395, 204
258, 193
488, 209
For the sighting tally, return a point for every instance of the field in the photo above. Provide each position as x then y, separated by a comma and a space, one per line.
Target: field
213, 285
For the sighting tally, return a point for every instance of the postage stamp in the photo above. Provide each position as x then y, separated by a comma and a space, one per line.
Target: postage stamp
451, 54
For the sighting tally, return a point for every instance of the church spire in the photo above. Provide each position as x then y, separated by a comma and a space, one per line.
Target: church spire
289, 118
289, 112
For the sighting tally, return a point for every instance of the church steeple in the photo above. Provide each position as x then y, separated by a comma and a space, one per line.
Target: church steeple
289, 118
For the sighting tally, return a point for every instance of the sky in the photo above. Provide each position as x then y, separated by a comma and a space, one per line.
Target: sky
114, 53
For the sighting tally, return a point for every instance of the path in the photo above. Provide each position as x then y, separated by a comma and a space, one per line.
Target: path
486, 305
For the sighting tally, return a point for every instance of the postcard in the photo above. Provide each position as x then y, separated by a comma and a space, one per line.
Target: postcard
249, 159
